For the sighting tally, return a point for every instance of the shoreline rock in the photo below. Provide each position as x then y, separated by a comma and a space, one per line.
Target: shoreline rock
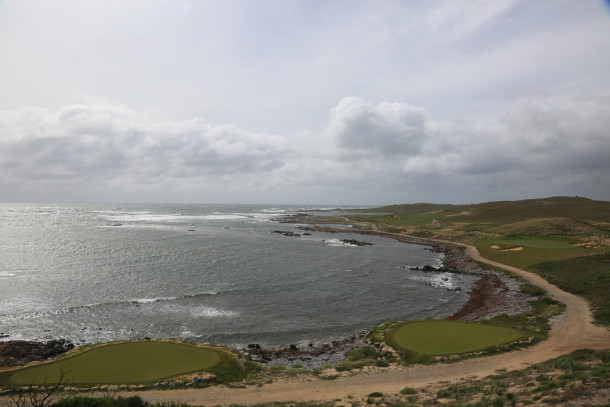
17, 353
309, 357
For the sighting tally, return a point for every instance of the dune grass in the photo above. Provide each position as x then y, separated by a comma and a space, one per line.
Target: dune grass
121, 363
432, 337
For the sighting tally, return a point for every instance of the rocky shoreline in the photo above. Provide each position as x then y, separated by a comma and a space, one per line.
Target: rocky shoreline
492, 294
17, 353
310, 357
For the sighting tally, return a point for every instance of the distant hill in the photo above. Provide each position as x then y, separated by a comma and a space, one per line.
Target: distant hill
506, 212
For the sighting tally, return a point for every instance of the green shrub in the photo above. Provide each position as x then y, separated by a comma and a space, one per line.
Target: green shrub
362, 353
134, 401
532, 290
251, 366
408, 390
277, 368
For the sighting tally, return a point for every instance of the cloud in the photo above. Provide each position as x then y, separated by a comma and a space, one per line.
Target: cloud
467, 17
80, 143
388, 128
544, 143
385, 152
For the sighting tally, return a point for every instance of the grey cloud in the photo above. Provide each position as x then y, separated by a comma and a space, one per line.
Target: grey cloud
388, 129
103, 142
367, 153
546, 142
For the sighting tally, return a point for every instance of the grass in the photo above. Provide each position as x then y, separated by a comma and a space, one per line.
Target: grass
536, 249
411, 219
431, 337
587, 276
128, 362
536, 242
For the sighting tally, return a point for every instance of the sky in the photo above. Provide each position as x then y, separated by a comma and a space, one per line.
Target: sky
304, 102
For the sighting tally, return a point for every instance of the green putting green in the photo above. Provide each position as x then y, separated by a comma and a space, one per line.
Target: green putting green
128, 362
448, 337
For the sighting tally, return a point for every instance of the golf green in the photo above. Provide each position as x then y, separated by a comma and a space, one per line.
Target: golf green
448, 337
128, 362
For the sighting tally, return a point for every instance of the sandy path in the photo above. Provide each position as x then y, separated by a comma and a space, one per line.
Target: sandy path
570, 331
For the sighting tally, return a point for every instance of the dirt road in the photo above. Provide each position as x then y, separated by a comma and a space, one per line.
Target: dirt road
570, 331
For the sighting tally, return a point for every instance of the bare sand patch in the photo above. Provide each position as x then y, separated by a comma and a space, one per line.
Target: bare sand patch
465, 213
513, 249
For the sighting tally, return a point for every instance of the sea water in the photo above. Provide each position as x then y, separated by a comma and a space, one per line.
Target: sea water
209, 273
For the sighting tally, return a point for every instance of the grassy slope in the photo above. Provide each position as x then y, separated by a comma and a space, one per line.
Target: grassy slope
546, 229
587, 276
505, 212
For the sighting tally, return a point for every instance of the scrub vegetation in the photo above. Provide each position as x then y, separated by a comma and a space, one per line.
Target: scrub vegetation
579, 378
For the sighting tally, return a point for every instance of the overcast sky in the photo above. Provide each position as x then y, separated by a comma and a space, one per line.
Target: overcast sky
312, 102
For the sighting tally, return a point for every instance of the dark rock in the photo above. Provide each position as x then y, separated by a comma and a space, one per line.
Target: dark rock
356, 242
14, 353
286, 233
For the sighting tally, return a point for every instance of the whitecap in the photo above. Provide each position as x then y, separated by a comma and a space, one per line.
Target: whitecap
143, 217
274, 210
440, 280
6, 274
211, 312
227, 216
337, 243
149, 300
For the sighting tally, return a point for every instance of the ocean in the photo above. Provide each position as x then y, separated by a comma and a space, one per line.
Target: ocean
206, 273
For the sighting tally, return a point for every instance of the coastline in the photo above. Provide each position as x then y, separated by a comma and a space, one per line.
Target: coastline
570, 331
493, 293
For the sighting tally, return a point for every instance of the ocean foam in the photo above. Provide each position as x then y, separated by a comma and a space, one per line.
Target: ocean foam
143, 216
337, 243
211, 312
225, 216
440, 280
149, 300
